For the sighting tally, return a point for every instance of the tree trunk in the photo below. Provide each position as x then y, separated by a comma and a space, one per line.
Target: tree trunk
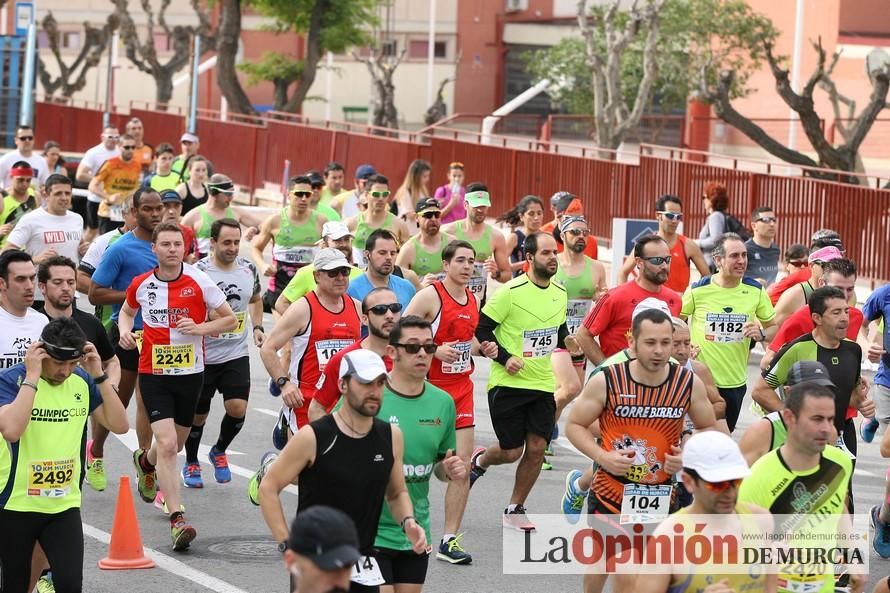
164, 88
227, 50
391, 114
313, 56
280, 94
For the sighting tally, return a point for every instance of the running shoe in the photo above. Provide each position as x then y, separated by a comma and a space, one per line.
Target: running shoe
161, 504
95, 470
517, 519
548, 451
279, 433
451, 552
573, 498
476, 472
881, 539
867, 430
45, 584
147, 482
191, 475
274, 389
183, 534
555, 434
546, 465
220, 462
253, 486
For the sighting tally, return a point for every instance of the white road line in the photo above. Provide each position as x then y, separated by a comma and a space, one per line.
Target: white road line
130, 442
172, 565
267, 412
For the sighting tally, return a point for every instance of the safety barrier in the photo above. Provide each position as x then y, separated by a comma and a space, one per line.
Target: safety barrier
254, 154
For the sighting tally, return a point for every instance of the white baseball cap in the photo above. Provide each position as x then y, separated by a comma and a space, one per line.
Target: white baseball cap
715, 457
366, 366
335, 229
188, 137
330, 259
650, 303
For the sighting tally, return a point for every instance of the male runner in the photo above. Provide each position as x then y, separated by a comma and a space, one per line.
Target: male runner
163, 177
125, 259
334, 176
89, 166
763, 253
820, 239
21, 324
294, 233
527, 320
339, 455
451, 308
115, 181
172, 202
422, 253
376, 215
227, 355
804, 469
610, 318
143, 152
44, 404
220, 191
24, 151
492, 258
19, 200
320, 550
317, 183
641, 438
347, 202
318, 326
713, 469
725, 312
564, 204
380, 253
669, 215
796, 297
176, 300
190, 144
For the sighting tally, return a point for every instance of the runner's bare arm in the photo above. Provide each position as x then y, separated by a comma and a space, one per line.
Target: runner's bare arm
397, 497
401, 231
756, 440
626, 268
694, 253
297, 455
589, 345
293, 322
704, 373
501, 257
191, 218
587, 409
766, 396
250, 215
424, 304
405, 258
885, 444
225, 321
790, 301
701, 411
259, 244
316, 410
599, 279
351, 223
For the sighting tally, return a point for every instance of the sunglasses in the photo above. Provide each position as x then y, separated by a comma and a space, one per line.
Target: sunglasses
657, 260
338, 272
671, 215
130, 147
301, 194
429, 348
379, 194
429, 215
578, 232
799, 263
718, 487
382, 309
25, 138
766, 219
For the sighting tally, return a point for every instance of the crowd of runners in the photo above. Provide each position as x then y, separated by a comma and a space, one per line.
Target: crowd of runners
383, 298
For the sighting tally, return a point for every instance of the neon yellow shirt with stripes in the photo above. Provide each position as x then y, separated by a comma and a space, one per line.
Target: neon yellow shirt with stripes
40, 473
13, 210
716, 316
303, 282
528, 318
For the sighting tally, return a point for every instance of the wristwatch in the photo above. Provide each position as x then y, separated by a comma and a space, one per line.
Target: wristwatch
281, 381
282, 546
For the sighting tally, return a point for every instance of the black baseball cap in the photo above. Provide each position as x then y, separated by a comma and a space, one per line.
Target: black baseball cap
170, 195
427, 204
315, 179
811, 371
326, 536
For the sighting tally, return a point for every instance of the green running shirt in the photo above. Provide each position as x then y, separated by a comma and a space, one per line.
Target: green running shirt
580, 290
428, 262
363, 230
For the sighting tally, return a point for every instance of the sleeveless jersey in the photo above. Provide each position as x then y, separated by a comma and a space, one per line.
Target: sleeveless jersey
166, 351
293, 247
363, 230
647, 420
678, 279
483, 248
191, 201
428, 262
161, 183
326, 334
580, 290
518, 253
202, 234
778, 430
345, 467
239, 284
454, 322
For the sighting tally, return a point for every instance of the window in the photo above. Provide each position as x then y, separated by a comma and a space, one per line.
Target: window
390, 48
418, 49
71, 40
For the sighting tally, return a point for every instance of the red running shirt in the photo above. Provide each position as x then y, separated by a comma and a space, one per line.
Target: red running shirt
678, 280
775, 291
166, 351
327, 391
454, 323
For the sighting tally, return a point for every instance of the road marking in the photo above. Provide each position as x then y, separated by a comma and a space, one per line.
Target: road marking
267, 412
171, 565
130, 442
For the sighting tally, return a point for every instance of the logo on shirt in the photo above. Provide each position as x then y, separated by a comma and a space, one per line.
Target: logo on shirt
429, 421
727, 309
57, 415
152, 286
393, 419
55, 237
152, 299
378, 457
188, 291
231, 291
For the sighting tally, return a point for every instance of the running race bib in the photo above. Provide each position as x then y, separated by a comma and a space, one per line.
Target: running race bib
326, 349
295, 255
463, 362
477, 282
538, 342
724, 328
50, 479
238, 331
645, 504
172, 359
788, 583
366, 572
575, 313
116, 213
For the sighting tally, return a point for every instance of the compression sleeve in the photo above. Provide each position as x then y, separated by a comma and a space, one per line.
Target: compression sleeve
485, 333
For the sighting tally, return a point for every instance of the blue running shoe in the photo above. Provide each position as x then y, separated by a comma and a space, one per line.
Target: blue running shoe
573, 498
452, 553
191, 475
221, 471
868, 429
555, 434
279, 433
881, 539
274, 389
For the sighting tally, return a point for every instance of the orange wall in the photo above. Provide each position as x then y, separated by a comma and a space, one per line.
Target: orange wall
478, 86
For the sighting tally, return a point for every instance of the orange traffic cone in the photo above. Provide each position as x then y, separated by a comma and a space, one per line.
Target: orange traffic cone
125, 550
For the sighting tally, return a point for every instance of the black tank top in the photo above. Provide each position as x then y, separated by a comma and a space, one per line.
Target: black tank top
349, 474
191, 200
518, 253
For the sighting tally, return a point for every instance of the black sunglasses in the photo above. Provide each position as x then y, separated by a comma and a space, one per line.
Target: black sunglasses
429, 215
338, 272
429, 348
657, 260
382, 309
26, 138
301, 194
129, 147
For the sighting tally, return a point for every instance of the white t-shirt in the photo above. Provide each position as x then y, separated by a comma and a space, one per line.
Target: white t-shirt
37, 162
39, 230
96, 250
94, 158
17, 335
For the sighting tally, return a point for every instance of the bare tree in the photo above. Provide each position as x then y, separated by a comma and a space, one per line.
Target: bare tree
382, 68
227, 51
613, 118
144, 54
844, 157
438, 110
73, 77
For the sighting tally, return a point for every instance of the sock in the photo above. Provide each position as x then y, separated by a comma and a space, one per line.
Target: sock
510, 508
174, 517
228, 430
447, 537
577, 485
144, 464
192, 441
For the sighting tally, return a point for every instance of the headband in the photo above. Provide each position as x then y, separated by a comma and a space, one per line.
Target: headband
63, 353
478, 195
21, 172
570, 220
